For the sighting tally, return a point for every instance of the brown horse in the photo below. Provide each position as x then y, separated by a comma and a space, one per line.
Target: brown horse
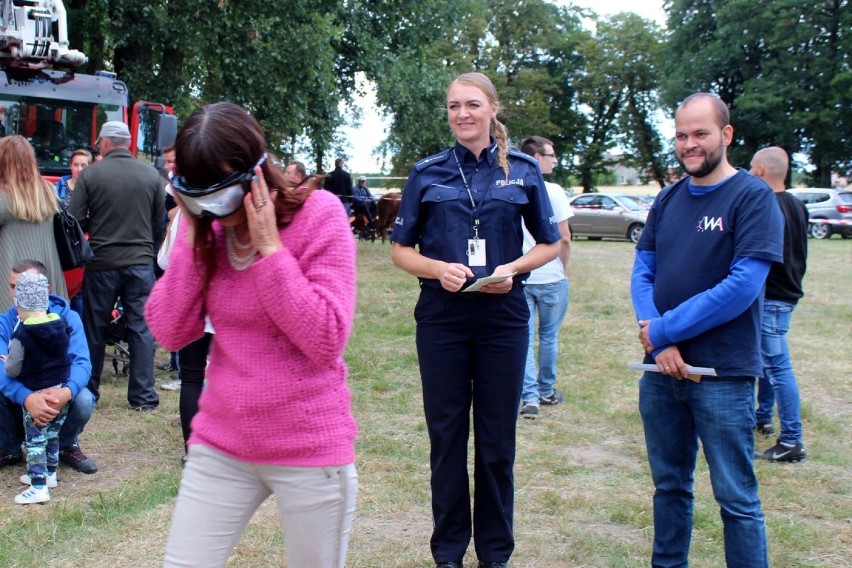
361, 227
388, 208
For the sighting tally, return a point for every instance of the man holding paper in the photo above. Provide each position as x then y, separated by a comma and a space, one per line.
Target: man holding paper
697, 289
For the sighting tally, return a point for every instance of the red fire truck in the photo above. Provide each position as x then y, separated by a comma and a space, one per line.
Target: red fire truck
56, 109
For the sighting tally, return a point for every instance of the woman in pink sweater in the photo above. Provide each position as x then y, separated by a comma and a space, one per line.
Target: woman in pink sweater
273, 266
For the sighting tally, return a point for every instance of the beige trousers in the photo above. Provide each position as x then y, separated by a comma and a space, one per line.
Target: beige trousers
218, 496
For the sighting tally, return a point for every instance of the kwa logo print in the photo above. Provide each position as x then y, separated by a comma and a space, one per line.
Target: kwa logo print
710, 224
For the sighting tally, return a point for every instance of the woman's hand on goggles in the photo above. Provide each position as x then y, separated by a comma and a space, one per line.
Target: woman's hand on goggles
259, 204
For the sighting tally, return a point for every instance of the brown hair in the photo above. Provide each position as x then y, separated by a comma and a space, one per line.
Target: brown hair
28, 197
484, 84
300, 168
534, 145
81, 152
723, 115
28, 264
222, 138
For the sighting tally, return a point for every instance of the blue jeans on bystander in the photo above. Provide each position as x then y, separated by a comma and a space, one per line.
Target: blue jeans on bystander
548, 304
719, 412
778, 372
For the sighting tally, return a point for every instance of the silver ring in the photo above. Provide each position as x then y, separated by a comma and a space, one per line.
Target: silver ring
262, 203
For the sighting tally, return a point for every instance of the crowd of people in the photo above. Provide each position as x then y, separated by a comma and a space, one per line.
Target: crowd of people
235, 264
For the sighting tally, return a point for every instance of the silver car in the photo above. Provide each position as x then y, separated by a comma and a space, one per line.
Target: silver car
829, 211
611, 215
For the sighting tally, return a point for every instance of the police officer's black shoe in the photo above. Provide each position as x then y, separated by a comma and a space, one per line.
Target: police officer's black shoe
448, 565
493, 564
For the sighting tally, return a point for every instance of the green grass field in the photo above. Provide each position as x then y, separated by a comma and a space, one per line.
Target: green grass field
583, 490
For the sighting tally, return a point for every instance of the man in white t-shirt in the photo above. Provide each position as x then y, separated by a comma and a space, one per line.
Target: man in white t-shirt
547, 294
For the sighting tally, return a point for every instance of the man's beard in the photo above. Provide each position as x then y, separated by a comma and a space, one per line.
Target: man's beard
711, 162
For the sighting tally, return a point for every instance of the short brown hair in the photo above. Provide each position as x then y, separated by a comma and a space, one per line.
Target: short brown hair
534, 145
723, 115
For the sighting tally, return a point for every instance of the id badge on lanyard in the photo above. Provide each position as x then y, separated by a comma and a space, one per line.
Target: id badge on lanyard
475, 246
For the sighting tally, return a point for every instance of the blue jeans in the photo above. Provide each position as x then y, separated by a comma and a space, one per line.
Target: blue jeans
676, 414
779, 381
11, 423
548, 304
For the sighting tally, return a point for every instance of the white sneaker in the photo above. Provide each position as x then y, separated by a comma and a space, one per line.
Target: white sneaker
50, 479
171, 386
33, 495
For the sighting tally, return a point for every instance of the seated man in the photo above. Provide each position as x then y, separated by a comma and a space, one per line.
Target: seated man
45, 404
363, 202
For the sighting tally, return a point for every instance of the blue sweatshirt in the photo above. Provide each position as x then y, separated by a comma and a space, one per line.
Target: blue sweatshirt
78, 349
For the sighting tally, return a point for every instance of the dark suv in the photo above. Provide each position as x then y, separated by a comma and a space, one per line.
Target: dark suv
829, 211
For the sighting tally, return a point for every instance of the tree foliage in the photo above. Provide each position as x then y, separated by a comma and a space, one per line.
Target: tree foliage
782, 66
283, 63
528, 49
617, 90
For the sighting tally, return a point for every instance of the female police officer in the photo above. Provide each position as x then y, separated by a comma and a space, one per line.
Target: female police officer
463, 209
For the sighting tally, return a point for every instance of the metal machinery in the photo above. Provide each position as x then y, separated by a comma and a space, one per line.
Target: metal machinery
56, 109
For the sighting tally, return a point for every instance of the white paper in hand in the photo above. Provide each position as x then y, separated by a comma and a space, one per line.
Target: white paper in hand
485, 280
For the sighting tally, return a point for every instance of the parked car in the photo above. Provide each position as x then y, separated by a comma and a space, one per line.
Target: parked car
829, 211
616, 216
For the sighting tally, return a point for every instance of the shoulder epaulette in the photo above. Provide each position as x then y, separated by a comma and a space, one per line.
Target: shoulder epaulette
431, 160
527, 157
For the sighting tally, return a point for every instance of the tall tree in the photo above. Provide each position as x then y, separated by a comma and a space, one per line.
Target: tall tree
782, 66
528, 49
617, 87
532, 56
285, 65
411, 50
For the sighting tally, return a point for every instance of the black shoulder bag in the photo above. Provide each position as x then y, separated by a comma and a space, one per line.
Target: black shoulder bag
71, 244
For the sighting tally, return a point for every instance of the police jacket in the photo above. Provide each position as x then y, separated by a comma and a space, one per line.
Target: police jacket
454, 196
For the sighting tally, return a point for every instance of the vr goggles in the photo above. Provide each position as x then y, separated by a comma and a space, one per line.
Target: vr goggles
219, 200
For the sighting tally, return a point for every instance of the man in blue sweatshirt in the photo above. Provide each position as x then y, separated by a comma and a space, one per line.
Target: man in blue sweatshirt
44, 405
697, 289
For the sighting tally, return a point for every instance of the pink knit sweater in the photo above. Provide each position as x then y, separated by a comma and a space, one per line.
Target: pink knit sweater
276, 388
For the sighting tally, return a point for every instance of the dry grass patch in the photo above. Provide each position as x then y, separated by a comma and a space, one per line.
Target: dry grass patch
583, 488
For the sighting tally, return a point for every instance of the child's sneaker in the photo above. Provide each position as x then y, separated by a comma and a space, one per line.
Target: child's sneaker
50, 479
33, 495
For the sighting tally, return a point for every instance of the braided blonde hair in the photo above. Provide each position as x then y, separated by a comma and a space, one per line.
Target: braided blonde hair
484, 84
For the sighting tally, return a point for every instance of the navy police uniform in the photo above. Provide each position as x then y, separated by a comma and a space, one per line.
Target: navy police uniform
472, 346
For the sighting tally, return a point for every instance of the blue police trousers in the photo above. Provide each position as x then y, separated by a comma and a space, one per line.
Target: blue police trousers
472, 350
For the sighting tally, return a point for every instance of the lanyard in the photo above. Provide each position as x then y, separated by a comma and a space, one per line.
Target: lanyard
470, 195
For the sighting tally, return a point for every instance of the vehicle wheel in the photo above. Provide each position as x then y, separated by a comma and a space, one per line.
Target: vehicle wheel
634, 232
820, 230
